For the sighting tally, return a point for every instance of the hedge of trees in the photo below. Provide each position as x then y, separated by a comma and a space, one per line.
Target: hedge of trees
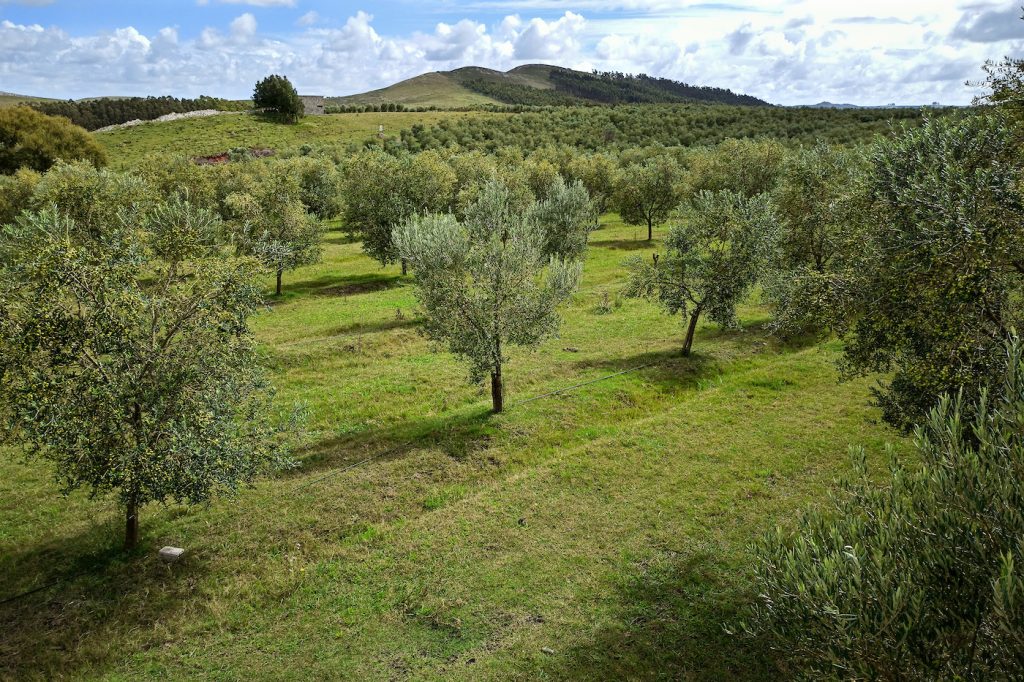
93, 114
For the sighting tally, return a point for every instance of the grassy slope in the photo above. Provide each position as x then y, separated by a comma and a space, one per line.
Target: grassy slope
609, 524
536, 75
9, 100
205, 136
431, 89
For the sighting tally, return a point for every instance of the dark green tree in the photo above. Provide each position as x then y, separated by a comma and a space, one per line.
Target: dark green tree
276, 93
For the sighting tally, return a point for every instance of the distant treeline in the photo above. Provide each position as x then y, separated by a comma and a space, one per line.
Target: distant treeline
106, 111
364, 108
602, 128
624, 88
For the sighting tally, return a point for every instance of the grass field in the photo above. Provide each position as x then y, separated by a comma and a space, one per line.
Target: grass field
601, 533
215, 134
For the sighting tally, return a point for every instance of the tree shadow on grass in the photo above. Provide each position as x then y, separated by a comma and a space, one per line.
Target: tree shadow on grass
671, 624
342, 239
457, 435
624, 244
95, 601
343, 285
668, 368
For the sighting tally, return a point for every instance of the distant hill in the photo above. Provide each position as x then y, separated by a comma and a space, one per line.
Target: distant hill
8, 99
832, 105
539, 84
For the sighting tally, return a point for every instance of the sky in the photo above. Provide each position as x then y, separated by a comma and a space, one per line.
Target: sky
866, 52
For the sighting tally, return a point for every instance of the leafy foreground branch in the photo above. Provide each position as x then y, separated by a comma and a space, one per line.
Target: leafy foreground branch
919, 578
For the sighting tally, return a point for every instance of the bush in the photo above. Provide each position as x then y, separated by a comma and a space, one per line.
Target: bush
29, 139
919, 578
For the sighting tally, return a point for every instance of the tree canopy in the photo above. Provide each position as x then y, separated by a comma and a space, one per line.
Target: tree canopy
276, 93
483, 283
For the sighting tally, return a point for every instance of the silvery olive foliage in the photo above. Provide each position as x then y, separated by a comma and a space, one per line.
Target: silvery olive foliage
271, 224
566, 217
126, 357
713, 255
920, 577
646, 193
483, 282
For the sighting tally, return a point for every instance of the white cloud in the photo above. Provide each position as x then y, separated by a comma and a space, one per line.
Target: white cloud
308, 19
786, 51
244, 26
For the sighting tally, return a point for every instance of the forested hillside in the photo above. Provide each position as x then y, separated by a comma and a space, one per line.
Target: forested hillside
541, 85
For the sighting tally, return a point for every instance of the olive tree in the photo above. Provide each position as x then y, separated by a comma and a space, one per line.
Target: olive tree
566, 216
483, 284
712, 258
811, 277
271, 223
646, 193
749, 167
381, 191
598, 173
942, 261
919, 576
33, 140
126, 357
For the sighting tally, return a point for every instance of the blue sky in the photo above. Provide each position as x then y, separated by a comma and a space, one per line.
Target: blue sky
786, 51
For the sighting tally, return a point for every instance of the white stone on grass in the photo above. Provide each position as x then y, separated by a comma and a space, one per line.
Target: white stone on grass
171, 554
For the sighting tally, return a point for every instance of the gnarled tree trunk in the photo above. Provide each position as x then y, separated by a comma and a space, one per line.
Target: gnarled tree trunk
690, 330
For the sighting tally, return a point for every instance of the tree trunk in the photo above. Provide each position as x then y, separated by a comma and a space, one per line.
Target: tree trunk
688, 344
131, 526
279, 273
650, 229
405, 267
497, 392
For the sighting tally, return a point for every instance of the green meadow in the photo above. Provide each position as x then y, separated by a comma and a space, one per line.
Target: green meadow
598, 533
126, 147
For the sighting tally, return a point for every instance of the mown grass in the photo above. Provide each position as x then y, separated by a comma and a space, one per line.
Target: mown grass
599, 534
126, 147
